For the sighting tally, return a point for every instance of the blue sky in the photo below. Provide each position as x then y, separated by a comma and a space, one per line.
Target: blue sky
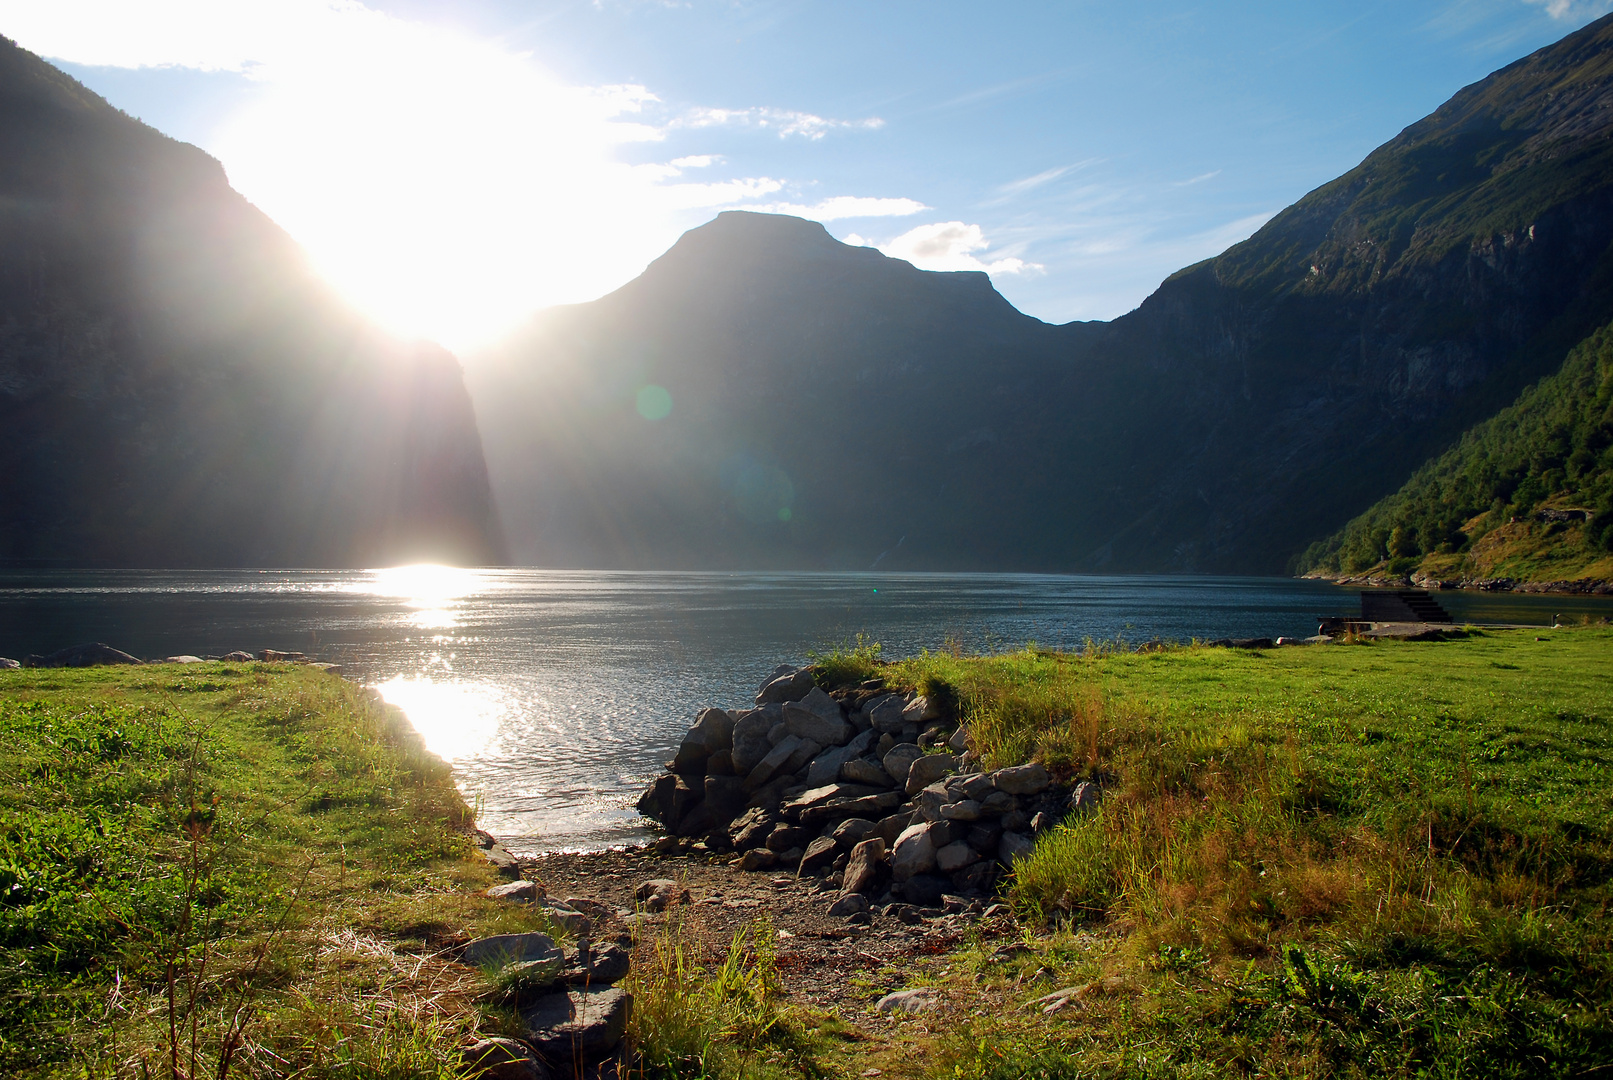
454, 166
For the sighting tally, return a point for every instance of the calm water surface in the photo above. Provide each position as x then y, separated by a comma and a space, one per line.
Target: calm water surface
557, 695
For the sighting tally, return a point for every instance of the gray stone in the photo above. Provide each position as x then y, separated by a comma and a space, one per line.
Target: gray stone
790, 684
502, 949
823, 730
955, 856
237, 657
852, 831
976, 786
1014, 845
819, 854
83, 656
785, 837
799, 758
572, 921
7, 664
751, 829
716, 727
889, 828
866, 806
885, 713
963, 810
720, 764
927, 770
998, 803
825, 768
725, 798
817, 701
520, 891
650, 887
750, 738
499, 857
900, 760
773, 762
944, 832
862, 869
1029, 779
983, 837
931, 799
849, 903
501, 1059
596, 965
914, 852
917, 712
758, 859
1086, 796
919, 999
578, 1025
182, 658
959, 742
862, 770
692, 753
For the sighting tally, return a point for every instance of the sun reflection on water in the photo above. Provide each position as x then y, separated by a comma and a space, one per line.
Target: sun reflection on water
456, 719
432, 590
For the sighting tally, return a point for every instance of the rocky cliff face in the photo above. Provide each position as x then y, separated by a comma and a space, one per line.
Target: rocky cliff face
176, 386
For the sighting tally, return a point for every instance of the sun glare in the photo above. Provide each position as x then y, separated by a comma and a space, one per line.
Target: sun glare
431, 590
457, 720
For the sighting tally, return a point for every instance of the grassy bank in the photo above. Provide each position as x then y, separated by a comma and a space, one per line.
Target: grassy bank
243, 870
1385, 859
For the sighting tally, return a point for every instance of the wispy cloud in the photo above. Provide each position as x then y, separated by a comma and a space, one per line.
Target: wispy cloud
1199, 179
1574, 10
783, 122
950, 245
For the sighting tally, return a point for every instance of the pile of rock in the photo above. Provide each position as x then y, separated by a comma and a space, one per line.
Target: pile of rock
875, 791
98, 654
569, 1005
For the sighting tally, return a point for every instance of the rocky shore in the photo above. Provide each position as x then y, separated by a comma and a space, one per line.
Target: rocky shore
874, 790
1579, 587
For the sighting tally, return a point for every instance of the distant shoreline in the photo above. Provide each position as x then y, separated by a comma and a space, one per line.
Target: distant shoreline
1577, 587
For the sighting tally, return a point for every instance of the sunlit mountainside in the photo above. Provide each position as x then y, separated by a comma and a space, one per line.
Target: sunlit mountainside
764, 395
177, 389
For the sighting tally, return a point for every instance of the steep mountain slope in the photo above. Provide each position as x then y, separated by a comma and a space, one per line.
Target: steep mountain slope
1312, 368
824, 406
1526, 495
1253, 404
178, 389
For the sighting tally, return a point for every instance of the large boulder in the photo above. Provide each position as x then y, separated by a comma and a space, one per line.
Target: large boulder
1014, 845
501, 1059
750, 737
863, 770
1030, 779
716, 729
692, 754
900, 759
786, 684
725, 798
772, 762
656, 802
502, 950
885, 713
955, 856
825, 768
914, 852
578, 1025
820, 853
927, 770
862, 869
852, 831
82, 656
595, 965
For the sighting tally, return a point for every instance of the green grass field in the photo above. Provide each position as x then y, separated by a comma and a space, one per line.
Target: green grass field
241, 870
1378, 859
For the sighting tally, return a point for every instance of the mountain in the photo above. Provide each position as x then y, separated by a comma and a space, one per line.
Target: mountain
1525, 495
178, 388
824, 406
831, 407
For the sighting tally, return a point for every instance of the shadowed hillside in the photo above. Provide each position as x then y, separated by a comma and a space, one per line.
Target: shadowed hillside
1253, 404
178, 389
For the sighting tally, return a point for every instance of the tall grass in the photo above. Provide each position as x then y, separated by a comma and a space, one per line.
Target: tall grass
691, 1020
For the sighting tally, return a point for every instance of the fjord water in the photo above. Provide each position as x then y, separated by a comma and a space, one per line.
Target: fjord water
557, 695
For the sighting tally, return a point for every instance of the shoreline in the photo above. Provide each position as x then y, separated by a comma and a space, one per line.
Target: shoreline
1577, 587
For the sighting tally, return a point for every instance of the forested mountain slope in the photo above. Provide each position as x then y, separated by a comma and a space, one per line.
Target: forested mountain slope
1526, 495
177, 388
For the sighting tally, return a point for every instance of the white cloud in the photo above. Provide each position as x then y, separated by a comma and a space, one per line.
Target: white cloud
845, 206
443, 182
1573, 10
951, 245
783, 121
1199, 179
